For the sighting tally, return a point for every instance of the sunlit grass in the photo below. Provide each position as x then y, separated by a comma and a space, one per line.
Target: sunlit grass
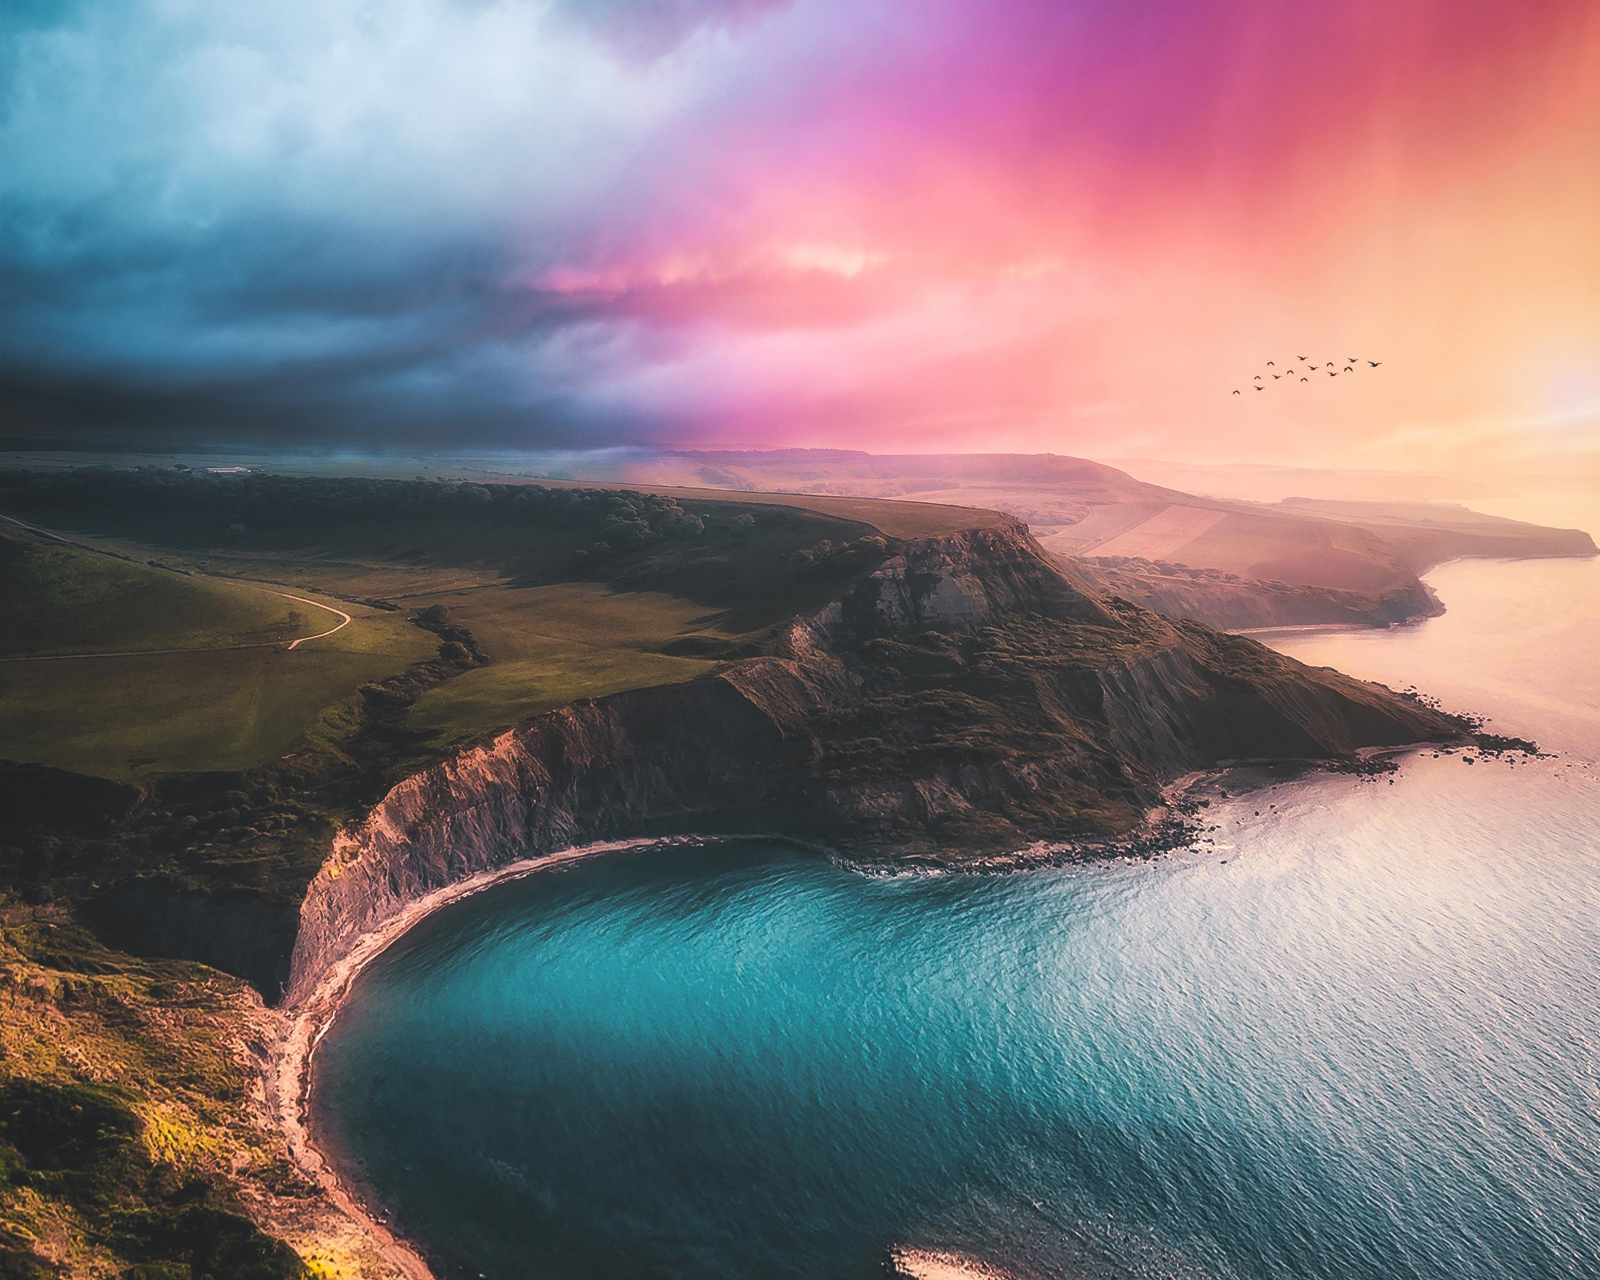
551, 645
217, 707
61, 599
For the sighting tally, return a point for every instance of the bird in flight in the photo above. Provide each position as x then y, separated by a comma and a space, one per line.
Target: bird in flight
1332, 367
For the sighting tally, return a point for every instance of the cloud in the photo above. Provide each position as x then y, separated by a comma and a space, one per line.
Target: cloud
266, 198
820, 221
647, 31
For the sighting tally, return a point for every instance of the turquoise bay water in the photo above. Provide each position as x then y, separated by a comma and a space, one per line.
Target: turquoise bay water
1356, 1035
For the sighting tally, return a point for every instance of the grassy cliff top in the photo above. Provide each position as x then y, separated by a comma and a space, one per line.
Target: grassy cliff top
559, 592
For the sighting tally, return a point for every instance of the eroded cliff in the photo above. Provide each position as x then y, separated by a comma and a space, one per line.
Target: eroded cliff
1236, 603
961, 696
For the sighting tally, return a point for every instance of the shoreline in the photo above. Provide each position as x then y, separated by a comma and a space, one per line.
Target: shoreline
302, 1027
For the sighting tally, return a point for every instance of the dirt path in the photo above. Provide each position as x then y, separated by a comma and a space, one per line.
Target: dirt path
315, 605
344, 618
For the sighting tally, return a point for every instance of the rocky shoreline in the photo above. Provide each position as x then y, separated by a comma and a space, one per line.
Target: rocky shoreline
964, 706
963, 695
302, 1023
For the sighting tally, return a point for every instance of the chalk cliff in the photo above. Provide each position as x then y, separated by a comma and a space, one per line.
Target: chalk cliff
962, 695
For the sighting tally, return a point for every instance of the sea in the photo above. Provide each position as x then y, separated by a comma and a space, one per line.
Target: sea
1352, 1031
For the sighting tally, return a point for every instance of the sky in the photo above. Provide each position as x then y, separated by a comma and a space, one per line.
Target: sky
1070, 226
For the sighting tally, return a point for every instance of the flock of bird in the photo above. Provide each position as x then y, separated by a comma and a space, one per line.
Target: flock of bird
1331, 368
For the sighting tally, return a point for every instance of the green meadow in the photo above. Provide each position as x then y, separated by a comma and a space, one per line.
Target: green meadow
551, 645
561, 594
213, 705
63, 599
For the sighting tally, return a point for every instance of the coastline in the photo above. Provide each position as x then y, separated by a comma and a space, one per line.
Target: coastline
498, 823
1169, 824
302, 1026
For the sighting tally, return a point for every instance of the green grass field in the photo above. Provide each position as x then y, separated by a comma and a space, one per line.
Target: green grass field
558, 613
78, 602
551, 645
220, 706
225, 707
217, 707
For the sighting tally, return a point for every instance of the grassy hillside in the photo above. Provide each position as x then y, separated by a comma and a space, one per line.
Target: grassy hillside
559, 593
551, 645
129, 1142
130, 717
231, 696
61, 599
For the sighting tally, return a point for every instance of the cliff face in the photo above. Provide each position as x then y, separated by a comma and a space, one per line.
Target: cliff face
962, 696
1237, 604
1395, 541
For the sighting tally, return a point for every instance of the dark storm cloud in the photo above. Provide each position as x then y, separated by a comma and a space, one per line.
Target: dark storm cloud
256, 321
319, 218
825, 221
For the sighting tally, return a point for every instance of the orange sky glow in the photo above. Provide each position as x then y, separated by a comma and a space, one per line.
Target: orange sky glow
1072, 226
1098, 279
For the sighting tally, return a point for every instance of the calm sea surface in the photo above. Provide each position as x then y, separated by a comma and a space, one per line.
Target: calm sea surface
1358, 1035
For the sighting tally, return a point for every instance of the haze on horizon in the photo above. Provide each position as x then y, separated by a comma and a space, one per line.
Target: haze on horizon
1026, 226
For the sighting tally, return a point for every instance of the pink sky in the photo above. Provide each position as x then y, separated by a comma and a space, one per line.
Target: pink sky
1077, 227
1056, 225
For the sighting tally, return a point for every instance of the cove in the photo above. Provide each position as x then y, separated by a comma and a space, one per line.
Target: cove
1352, 1034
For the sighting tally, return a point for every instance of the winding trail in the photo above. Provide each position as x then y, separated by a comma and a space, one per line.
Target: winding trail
315, 605
344, 618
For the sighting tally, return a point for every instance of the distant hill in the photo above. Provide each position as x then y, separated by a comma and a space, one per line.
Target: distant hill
1294, 562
